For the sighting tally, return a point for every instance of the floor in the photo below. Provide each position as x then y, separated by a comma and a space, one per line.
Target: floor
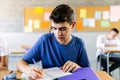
14, 59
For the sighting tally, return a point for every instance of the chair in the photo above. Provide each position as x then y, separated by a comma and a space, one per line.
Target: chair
98, 62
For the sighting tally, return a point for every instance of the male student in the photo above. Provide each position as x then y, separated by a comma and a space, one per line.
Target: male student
56, 49
3, 55
108, 40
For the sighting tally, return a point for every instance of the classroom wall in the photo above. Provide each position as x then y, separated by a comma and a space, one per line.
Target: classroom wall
12, 11
12, 21
15, 40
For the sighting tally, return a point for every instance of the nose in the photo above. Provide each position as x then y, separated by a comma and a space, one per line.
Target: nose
58, 32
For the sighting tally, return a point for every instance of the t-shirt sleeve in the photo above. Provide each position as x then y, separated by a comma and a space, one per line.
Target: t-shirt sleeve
117, 40
99, 43
34, 53
83, 58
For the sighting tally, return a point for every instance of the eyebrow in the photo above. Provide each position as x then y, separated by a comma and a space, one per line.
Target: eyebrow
60, 27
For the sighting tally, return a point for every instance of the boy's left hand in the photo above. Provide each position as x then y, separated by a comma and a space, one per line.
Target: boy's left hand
70, 66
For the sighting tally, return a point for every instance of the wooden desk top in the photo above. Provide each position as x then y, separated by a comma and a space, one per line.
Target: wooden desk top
4, 72
17, 51
26, 47
112, 49
103, 75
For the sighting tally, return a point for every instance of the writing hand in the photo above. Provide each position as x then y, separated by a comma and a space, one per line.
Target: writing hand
35, 73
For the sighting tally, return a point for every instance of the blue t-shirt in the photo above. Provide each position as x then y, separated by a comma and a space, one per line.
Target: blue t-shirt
53, 54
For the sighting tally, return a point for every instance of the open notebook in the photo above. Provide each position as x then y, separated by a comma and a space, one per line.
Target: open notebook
50, 74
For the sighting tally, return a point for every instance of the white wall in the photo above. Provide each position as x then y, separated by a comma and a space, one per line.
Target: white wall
15, 40
12, 11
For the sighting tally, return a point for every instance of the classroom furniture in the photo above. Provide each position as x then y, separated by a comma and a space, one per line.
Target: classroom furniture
112, 52
17, 51
14, 56
26, 47
4, 72
103, 75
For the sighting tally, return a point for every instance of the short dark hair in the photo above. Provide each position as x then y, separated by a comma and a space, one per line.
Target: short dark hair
62, 13
115, 30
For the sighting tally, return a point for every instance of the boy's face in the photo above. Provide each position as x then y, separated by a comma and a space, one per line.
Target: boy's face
62, 31
112, 35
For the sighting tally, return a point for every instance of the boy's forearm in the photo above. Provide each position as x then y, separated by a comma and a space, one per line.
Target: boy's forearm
4, 61
22, 66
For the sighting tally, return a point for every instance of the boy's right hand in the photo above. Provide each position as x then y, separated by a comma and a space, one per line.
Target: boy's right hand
35, 72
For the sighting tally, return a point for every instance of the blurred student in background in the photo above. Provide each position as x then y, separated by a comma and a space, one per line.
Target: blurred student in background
3, 55
108, 40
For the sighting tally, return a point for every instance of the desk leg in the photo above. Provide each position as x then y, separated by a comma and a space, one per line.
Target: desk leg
108, 62
100, 63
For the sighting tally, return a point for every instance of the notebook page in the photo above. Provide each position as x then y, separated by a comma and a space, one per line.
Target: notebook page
55, 72
50, 74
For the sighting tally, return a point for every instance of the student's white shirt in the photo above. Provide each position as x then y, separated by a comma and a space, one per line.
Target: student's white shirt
101, 41
3, 47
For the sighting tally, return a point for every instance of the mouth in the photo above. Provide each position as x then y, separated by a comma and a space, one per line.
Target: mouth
60, 38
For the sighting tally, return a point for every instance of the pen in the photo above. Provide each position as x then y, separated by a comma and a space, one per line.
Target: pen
11, 72
35, 63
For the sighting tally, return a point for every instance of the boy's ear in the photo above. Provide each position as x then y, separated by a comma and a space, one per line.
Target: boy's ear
73, 24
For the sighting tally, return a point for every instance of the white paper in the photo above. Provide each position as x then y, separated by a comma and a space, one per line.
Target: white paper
85, 22
36, 24
98, 15
114, 13
91, 22
106, 15
50, 74
46, 16
114, 19
30, 23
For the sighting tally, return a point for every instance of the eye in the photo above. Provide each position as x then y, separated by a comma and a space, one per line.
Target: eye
62, 28
53, 28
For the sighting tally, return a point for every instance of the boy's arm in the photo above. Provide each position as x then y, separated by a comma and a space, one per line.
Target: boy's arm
33, 72
4, 62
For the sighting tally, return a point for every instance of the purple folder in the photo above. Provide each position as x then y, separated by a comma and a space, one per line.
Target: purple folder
82, 74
